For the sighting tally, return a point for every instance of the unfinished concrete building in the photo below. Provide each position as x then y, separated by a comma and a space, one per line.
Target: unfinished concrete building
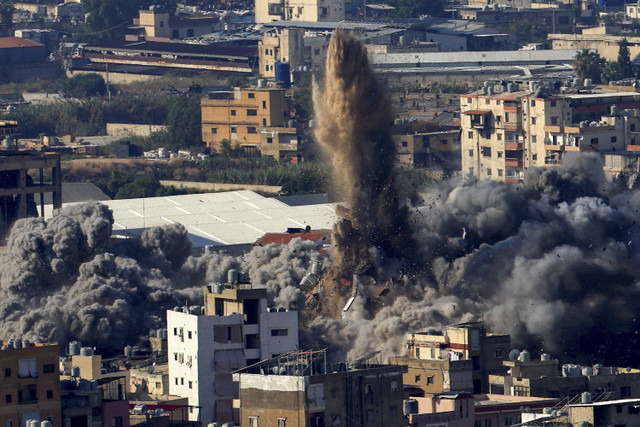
18, 185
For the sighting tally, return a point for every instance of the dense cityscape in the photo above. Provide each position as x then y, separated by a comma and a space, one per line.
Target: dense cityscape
319, 213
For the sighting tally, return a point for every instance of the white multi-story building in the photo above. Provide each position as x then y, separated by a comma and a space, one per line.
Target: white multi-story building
301, 10
235, 328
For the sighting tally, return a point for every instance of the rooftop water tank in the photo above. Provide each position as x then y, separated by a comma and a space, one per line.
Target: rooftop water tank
86, 351
587, 398
232, 276
261, 83
525, 356
283, 74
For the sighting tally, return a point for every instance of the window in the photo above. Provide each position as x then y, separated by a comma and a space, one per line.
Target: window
116, 421
279, 332
488, 171
417, 379
632, 127
189, 334
158, 385
190, 384
176, 380
189, 32
486, 151
161, 24
498, 119
443, 141
430, 380
499, 172
27, 368
533, 120
614, 139
269, 140
470, 135
182, 381
214, 130
499, 135
394, 385
552, 103
175, 330
499, 154
8, 398
625, 391
264, 104
251, 129
594, 140
175, 356
534, 138
251, 95
533, 102
506, 117
404, 143
487, 101
282, 422
233, 112
497, 353
470, 171
266, 68
175, 34
554, 120
470, 153
264, 122
534, 157
49, 394
7, 372
253, 422
252, 341
252, 112
9, 423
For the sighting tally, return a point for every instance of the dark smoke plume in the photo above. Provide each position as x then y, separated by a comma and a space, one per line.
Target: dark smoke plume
61, 280
353, 115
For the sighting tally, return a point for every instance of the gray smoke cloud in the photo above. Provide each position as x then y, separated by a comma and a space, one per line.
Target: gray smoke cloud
553, 262
62, 280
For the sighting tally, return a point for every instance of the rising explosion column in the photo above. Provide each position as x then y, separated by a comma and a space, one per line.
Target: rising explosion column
354, 117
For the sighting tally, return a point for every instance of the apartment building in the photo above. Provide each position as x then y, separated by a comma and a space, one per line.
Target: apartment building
508, 130
603, 39
298, 47
158, 24
458, 358
301, 10
240, 115
233, 329
30, 389
434, 150
298, 389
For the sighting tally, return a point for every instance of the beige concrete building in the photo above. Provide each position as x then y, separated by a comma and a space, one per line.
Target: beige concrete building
300, 10
296, 46
240, 116
603, 39
31, 383
433, 150
156, 24
297, 390
506, 132
447, 350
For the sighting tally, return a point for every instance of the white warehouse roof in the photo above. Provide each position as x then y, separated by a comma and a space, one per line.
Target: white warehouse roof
218, 219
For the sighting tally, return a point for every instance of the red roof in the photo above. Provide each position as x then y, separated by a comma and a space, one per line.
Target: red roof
7, 42
476, 112
285, 238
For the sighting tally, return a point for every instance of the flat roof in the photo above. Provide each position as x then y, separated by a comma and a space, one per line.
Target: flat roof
217, 219
601, 95
609, 402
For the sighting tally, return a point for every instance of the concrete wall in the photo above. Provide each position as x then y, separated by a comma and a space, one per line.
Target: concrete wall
127, 129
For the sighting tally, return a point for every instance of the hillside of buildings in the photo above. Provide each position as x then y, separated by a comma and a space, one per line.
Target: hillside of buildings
319, 212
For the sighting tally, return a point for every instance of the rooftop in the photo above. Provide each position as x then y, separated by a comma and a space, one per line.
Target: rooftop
10, 42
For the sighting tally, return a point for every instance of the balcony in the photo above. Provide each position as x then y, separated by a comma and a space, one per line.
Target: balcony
513, 127
512, 145
633, 147
514, 163
479, 118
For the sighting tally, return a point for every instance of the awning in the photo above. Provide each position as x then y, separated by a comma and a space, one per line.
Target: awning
477, 112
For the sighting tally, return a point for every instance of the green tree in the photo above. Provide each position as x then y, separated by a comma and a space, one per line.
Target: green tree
184, 122
624, 59
415, 8
588, 65
108, 19
6, 11
85, 85
302, 100
611, 72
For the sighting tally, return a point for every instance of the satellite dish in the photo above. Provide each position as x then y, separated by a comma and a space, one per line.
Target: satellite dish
513, 355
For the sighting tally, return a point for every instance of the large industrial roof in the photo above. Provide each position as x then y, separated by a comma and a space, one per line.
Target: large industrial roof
218, 219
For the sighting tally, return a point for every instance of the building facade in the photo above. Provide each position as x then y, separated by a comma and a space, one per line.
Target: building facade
295, 390
239, 116
158, 24
233, 329
30, 389
300, 10
506, 132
